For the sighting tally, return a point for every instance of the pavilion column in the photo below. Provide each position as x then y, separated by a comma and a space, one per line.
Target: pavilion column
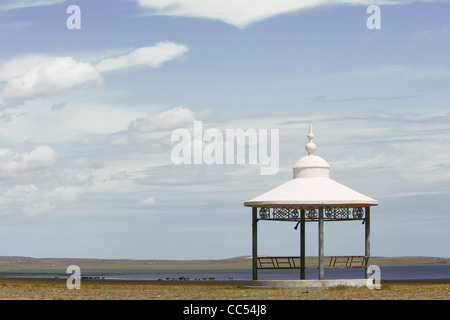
321, 268
254, 243
367, 236
302, 245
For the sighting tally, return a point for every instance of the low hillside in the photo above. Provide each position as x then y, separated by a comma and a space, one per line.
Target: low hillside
236, 262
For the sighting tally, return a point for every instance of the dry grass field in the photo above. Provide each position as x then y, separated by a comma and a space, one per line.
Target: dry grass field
55, 289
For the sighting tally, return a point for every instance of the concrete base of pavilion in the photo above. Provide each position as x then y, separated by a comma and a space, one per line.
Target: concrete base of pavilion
308, 284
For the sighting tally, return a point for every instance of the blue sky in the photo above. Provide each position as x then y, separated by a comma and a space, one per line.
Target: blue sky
86, 118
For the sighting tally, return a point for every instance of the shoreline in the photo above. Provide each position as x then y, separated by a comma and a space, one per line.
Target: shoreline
198, 282
195, 282
202, 275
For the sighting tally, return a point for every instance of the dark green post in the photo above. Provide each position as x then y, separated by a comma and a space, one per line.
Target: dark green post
254, 243
367, 234
302, 244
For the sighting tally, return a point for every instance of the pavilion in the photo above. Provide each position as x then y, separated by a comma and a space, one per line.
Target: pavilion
311, 196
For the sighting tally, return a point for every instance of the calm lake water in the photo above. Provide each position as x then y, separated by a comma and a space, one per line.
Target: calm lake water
387, 273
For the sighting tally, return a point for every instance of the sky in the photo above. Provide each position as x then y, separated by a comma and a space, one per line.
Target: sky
89, 100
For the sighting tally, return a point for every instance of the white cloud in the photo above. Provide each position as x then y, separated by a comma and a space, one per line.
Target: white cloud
42, 156
152, 56
38, 207
78, 123
84, 141
38, 183
12, 162
147, 201
19, 191
25, 176
47, 79
24, 198
65, 193
243, 13
18, 65
169, 119
35, 76
19, 4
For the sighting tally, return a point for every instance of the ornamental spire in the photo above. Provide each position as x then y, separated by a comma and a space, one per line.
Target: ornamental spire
310, 146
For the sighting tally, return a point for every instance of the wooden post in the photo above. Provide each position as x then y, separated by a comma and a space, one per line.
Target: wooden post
321, 269
254, 243
367, 234
302, 244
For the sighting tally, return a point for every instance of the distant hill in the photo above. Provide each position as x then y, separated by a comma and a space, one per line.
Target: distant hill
236, 262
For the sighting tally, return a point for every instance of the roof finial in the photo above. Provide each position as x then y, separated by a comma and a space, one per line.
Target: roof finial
310, 146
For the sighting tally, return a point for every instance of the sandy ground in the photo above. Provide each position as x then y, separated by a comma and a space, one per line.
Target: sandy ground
56, 289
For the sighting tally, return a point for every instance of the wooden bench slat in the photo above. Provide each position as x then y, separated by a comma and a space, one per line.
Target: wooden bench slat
278, 262
348, 261
294, 262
